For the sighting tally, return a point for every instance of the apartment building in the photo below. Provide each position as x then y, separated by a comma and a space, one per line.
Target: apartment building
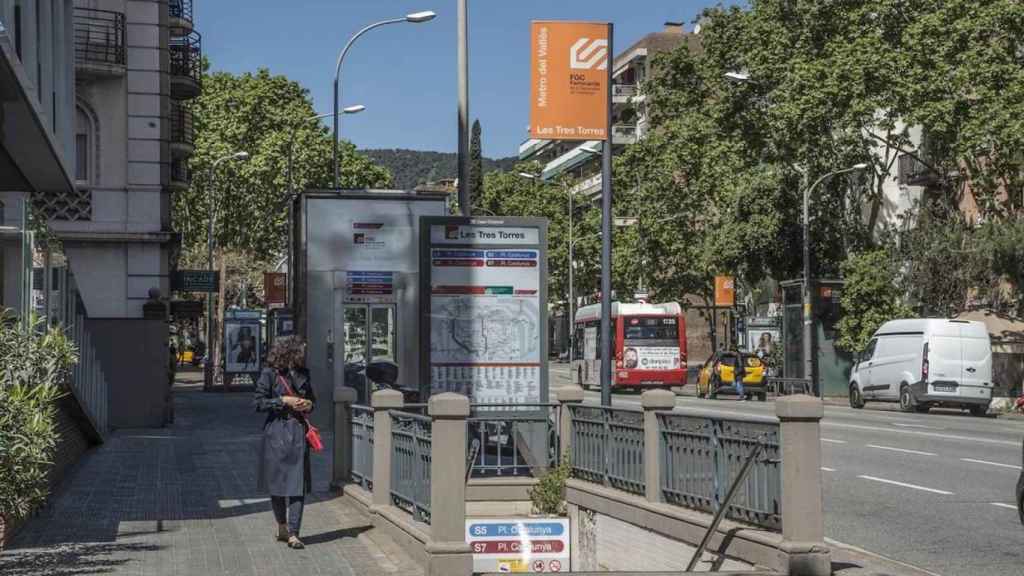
104, 91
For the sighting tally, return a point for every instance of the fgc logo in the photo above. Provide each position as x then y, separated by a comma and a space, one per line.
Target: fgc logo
587, 54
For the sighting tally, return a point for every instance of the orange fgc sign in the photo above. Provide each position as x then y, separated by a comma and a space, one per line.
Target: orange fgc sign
725, 291
569, 94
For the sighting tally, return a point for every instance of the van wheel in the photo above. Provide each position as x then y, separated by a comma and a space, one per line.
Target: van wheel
907, 403
977, 410
856, 400
762, 397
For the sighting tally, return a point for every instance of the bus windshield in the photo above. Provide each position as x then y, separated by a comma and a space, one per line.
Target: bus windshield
651, 329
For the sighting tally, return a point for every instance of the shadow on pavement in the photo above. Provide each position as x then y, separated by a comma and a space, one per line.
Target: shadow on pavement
71, 559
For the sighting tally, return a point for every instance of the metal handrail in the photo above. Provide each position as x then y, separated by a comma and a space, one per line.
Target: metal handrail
507, 441
187, 56
99, 37
607, 446
362, 445
411, 446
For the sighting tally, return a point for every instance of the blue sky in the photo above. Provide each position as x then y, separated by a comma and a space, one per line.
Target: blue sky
405, 74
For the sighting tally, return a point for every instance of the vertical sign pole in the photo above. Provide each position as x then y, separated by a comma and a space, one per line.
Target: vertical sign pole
463, 58
606, 238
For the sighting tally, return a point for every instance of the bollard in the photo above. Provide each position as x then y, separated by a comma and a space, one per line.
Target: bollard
383, 401
448, 550
341, 463
566, 395
653, 401
803, 523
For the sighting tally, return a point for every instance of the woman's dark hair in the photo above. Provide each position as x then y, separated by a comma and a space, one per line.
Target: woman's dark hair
287, 352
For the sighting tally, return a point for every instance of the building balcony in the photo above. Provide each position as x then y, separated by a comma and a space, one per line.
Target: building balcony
913, 172
179, 19
180, 176
186, 66
182, 132
532, 147
588, 187
623, 93
99, 43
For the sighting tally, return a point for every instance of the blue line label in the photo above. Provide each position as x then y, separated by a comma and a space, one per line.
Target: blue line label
516, 529
512, 254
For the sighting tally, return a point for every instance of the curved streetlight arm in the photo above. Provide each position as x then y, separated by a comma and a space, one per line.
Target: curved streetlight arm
337, 75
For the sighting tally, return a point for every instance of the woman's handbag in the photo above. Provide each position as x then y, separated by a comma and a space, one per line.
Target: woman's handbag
312, 433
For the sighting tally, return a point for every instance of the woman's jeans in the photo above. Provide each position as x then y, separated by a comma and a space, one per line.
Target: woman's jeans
290, 513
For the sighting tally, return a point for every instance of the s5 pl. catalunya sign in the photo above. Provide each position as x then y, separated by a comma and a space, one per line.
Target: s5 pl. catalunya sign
569, 71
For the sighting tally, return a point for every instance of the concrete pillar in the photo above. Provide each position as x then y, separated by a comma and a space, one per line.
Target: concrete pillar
803, 524
448, 550
653, 401
341, 469
564, 396
383, 401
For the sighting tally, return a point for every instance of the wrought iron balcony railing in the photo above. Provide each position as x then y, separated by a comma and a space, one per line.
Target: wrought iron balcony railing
182, 131
99, 37
187, 57
180, 12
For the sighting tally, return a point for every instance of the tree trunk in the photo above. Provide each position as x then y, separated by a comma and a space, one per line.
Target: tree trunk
3, 532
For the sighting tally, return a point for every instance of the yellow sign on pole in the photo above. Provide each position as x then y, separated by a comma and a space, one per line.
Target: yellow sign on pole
569, 71
725, 291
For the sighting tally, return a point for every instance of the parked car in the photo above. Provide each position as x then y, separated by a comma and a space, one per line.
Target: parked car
924, 363
718, 373
1020, 490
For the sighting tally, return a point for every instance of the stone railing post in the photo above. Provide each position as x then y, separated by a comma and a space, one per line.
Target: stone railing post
448, 550
653, 401
383, 401
803, 524
341, 469
565, 396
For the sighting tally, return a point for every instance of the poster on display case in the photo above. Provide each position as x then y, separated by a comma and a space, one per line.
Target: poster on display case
242, 342
485, 308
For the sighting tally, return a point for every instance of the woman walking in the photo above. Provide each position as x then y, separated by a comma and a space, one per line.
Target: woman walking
286, 394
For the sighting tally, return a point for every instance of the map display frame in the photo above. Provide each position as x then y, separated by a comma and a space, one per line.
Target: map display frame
484, 318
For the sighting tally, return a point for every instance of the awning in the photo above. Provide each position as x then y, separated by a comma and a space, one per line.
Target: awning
29, 154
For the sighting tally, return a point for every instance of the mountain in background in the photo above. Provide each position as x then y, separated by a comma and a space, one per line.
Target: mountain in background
410, 168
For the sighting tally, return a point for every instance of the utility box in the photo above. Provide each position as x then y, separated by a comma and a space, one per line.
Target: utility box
356, 282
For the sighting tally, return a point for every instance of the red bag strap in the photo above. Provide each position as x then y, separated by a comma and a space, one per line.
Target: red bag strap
291, 392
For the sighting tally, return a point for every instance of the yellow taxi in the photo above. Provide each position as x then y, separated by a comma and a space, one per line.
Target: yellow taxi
718, 373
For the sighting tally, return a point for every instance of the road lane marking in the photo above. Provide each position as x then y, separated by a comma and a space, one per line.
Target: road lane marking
1014, 443
904, 450
1011, 466
905, 485
1001, 505
827, 469
916, 426
833, 441
838, 544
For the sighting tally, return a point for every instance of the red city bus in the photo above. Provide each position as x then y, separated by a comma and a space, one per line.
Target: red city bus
649, 341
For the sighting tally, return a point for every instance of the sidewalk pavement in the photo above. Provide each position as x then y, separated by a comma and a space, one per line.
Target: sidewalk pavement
182, 500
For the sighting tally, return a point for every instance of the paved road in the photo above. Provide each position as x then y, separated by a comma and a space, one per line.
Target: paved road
934, 490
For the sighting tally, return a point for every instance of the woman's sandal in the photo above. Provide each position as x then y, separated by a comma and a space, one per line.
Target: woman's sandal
295, 544
282, 532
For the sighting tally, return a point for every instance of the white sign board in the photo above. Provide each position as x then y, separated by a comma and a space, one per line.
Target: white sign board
519, 544
651, 358
485, 309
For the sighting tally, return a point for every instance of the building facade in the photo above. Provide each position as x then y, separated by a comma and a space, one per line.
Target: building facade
119, 75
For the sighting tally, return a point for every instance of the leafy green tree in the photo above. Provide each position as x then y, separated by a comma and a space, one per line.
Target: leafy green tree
476, 165
871, 297
268, 116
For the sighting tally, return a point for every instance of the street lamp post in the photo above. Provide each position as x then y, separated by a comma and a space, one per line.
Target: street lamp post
808, 349
291, 137
415, 18
210, 367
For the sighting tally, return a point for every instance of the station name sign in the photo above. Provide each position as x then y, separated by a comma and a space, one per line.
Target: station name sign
470, 234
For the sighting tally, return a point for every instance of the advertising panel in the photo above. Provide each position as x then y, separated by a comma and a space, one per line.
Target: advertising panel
527, 545
275, 289
725, 291
486, 315
569, 72
651, 358
242, 344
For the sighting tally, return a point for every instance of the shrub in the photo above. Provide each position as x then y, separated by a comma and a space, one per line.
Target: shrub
548, 496
34, 367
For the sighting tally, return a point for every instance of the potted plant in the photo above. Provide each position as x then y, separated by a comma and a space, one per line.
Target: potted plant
34, 365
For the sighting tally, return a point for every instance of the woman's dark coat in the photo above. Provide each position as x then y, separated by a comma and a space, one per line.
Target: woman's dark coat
284, 453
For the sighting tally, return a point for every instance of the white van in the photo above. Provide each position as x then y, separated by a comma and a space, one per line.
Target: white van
925, 363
